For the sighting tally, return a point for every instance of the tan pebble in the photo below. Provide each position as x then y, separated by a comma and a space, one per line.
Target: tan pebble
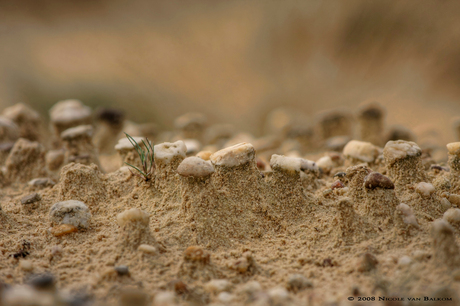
205, 155
164, 298
241, 265
133, 215
148, 249
195, 253
225, 297
26, 265
453, 148
63, 229
425, 189
361, 150
218, 285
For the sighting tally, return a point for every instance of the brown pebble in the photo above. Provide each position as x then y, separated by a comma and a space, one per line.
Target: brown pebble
63, 229
31, 198
377, 180
178, 286
195, 253
337, 184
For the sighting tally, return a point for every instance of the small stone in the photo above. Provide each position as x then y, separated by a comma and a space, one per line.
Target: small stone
425, 189
408, 214
196, 167
252, 287
122, 270
241, 265
26, 265
225, 297
456, 275
178, 286
41, 182
337, 184
298, 282
133, 215
279, 295
453, 148
361, 150
280, 162
367, 262
69, 112
233, 156
404, 261
125, 143
42, 281
71, 212
164, 298
196, 253
204, 155
78, 131
452, 216
63, 229
325, 163
167, 151
31, 198
340, 174
400, 149
218, 285
148, 249
377, 180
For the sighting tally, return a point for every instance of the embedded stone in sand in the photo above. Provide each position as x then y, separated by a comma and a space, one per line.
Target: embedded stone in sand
325, 163
404, 164
69, 113
360, 152
79, 145
71, 212
25, 161
408, 216
167, 152
446, 250
26, 119
233, 156
213, 225
196, 167
285, 193
377, 180
452, 216
425, 189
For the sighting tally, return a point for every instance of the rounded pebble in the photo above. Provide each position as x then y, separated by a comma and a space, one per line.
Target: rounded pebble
71, 212
195, 166
377, 180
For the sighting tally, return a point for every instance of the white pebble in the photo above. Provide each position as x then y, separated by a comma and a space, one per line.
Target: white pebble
409, 217
69, 111
452, 216
74, 132
453, 148
280, 162
279, 295
325, 163
164, 298
193, 146
225, 297
165, 152
236, 155
195, 166
404, 261
218, 285
361, 150
400, 149
26, 265
425, 189
148, 249
71, 212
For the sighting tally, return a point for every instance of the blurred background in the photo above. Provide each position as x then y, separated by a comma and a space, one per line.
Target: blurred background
235, 61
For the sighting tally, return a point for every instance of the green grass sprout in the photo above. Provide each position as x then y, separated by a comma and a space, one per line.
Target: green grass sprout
147, 159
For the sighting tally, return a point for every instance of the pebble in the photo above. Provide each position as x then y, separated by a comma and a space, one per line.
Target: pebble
409, 217
196, 253
279, 295
453, 148
425, 189
204, 155
71, 212
195, 166
164, 298
233, 156
404, 261
148, 249
26, 265
218, 285
337, 184
69, 111
252, 287
31, 198
377, 180
63, 229
298, 282
325, 163
225, 297
452, 216
361, 150
280, 162
133, 215
165, 152
400, 149
41, 182
125, 144
193, 146
78, 131
122, 270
